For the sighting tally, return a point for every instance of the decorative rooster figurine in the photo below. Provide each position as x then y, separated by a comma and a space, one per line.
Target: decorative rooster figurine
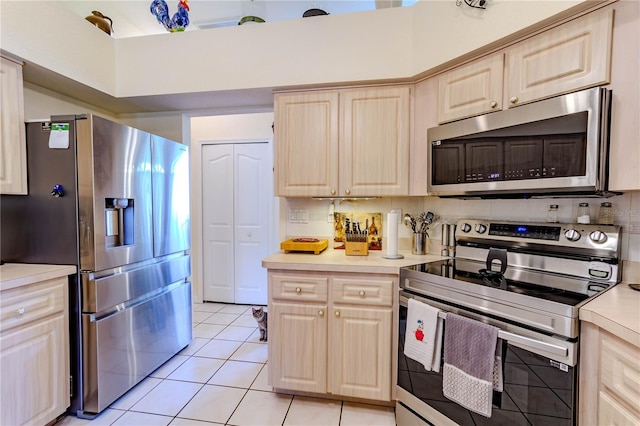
180, 19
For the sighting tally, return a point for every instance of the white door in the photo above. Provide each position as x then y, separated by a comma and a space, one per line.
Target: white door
237, 189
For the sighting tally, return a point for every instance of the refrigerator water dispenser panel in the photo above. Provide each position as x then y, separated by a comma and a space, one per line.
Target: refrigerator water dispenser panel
118, 221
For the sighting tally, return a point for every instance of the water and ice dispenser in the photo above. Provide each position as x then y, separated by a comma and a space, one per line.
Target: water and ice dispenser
118, 219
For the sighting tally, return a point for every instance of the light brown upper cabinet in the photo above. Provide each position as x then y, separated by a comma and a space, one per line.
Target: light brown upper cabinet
567, 58
343, 143
13, 145
471, 89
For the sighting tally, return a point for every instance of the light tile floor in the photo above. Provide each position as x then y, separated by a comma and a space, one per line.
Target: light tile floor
221, 378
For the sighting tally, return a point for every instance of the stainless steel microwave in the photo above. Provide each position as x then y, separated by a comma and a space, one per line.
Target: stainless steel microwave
553, 147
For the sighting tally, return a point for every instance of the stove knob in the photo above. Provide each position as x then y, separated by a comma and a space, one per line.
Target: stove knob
598, 237
480, 228
572, 235
465, 227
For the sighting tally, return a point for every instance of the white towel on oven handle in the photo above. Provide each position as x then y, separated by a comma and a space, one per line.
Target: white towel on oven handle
423, 317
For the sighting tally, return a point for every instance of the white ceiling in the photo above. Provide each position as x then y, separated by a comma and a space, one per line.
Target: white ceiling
132, 18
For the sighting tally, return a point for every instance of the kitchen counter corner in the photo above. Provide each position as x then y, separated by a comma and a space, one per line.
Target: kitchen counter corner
617, 311
332, 260
14, 275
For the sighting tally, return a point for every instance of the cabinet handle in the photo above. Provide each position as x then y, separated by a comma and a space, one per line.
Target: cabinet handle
493, 104
20, 311
337, 313
321, 312
298, 290
333, 192
513, 99
347, 191
362, 293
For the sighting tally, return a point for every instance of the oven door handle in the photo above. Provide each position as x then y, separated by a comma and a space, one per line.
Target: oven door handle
532, 343
512, 337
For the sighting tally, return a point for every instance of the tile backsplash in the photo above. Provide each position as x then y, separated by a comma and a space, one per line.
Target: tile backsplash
626, 210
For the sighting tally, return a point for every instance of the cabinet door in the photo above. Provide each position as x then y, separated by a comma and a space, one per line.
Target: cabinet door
611, 412
360, 352
35, 373
13, 146
306, 144
471, 89
298, 347
374, 146
573, 56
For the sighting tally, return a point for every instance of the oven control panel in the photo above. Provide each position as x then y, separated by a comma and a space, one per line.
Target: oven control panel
576, 236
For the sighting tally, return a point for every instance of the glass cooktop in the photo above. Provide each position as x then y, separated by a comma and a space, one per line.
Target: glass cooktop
541, 287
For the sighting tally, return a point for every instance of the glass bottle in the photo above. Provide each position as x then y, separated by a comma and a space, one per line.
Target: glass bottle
583, 213
552, 214
373, 229
605, 214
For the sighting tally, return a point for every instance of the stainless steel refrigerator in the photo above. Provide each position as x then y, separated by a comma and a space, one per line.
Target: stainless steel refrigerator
114, 201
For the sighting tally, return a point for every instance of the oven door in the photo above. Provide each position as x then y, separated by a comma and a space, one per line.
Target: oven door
540, 381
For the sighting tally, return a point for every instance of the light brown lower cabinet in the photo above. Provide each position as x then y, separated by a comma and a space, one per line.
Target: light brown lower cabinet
609, 379
331, 333
34, 353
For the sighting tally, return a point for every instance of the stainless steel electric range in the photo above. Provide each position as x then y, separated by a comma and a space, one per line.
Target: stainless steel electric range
529, 280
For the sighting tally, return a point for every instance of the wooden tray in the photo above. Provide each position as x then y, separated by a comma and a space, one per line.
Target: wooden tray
304, 244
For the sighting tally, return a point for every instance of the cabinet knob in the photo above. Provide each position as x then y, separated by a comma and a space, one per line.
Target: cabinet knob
20, 311
347, 191
337, 313
298, 290
333, 192
513, 99
249, 234
362, 293
321, 312
493, 104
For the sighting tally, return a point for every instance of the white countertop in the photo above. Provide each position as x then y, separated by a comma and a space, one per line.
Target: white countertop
331, 260
19, 274
617, 311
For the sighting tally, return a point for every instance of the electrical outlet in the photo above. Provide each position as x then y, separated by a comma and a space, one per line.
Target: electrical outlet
298, 216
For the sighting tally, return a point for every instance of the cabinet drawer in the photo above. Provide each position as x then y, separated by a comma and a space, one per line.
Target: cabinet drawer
23, 305
363, 291
620, 370
298, 287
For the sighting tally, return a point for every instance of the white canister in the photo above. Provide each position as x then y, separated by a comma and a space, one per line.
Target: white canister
583, 213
